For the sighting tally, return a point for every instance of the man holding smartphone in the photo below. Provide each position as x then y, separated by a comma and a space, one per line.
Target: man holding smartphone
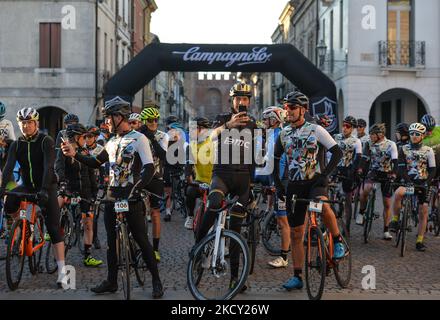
232, 174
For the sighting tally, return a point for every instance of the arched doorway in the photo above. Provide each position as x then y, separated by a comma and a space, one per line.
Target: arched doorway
51, 120
395, 106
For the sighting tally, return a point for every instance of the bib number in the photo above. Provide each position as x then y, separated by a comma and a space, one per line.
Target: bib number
121, 206
315, 207
409, 191
281, 205
75, 201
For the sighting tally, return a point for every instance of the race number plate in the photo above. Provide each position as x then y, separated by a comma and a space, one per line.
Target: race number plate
23, 214
281, 205
121, 206
409, 191
315, 207
75, 200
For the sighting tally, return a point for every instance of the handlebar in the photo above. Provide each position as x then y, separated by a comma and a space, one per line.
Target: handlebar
229, 203
29, 196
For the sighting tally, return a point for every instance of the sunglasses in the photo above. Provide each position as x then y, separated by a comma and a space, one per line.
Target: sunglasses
415, 134
89, 136
291, 107
347, 126
152, 120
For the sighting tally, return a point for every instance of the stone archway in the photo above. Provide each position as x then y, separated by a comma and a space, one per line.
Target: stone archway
51, 120
395, 106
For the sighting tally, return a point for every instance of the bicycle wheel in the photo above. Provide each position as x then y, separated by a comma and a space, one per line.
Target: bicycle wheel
15, 254
123, 248
356, 202
271, 235
316, 264
218, 282
35, 259
252, 244
368, 218
403, 228
198, 216
343, 266
66, 226
79, 230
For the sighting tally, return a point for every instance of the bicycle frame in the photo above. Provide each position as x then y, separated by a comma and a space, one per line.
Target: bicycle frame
219, 242
28, 212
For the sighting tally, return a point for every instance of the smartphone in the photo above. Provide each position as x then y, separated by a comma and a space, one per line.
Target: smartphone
242, 108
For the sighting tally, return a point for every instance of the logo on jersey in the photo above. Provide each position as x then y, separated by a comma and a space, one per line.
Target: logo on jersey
326, 107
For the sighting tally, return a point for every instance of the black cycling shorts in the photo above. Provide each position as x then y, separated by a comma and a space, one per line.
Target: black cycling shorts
168, 172
156, 186
302, 190
348, 184
385, 187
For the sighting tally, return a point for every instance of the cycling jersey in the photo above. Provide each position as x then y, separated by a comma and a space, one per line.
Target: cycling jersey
228, 142
159, 149
203, 156
304, 147
381, 155
36, 158
416, 161
7, 130
350, 147
433, 139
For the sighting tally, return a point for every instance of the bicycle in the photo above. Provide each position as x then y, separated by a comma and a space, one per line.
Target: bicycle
178, 194
370, 215
4, 231
26, 239
72, 202
208, 258
337, 196
201, 204
408, 216
128, 253
322, 262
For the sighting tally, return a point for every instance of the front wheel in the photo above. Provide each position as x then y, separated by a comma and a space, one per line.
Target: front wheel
15, 253
123, 254
223, 278
271, 235
316, 263
342, 266
35, 259
368, 218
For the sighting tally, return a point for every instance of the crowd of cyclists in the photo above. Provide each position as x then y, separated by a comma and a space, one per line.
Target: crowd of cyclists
127, 154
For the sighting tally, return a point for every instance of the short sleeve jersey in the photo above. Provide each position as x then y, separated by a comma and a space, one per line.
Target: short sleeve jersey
350, 147
418, 161
382, 154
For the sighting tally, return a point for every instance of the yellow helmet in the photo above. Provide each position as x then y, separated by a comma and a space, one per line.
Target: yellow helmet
241, 89
150, 113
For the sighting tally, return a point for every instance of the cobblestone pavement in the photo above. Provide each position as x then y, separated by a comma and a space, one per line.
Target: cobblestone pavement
416, 276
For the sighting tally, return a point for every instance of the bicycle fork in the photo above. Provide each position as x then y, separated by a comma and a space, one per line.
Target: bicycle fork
219, 243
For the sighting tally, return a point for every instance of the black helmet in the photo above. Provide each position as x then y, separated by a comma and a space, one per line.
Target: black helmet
297, 98
75, 129
351, 121
402, 129
428, 121
203, 122
361, 123
91, 129
171, 119
71, 118
378, 128
117, 106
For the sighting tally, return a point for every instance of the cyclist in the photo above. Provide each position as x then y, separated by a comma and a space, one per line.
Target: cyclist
159, 142
305, 145
35, 153
93, 148
432, 136
402, 135
76, 177
361, 125
352, 152
69, 118
416, 165
7, 135
382, 154
273, 118
131, 169
177, 140
232, 175
201, 163
135, 121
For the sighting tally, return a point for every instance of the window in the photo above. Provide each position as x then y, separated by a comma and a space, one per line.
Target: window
399, 31
50, 45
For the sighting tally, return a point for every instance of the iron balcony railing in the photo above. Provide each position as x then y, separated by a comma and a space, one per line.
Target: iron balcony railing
402, 54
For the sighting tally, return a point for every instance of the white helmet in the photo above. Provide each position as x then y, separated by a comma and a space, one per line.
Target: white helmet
274, 113
417, 127
27, 114
135, 116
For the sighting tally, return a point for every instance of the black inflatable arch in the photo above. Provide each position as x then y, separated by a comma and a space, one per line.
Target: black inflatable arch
283, 58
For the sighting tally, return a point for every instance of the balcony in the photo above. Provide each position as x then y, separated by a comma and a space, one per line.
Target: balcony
402, 54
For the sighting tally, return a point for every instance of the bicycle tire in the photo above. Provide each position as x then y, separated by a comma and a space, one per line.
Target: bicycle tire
343, 278
198, 216
270, 231
369, 214
320, 264
79, 230
252, 244
403, 228
15, 239
124, 260
35, 258
196, 261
